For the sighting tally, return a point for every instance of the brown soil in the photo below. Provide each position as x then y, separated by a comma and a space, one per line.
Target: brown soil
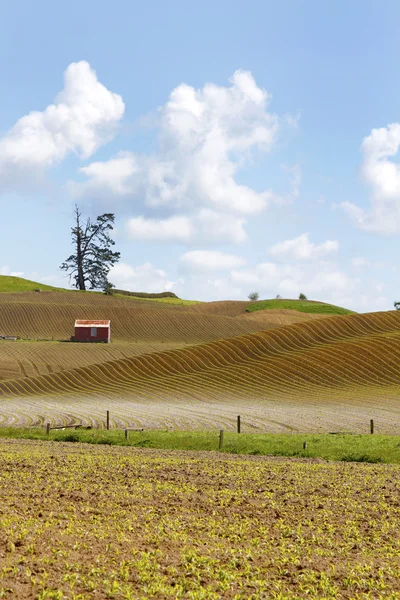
98, 522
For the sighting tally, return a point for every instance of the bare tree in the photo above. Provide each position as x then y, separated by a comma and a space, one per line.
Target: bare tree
93, 258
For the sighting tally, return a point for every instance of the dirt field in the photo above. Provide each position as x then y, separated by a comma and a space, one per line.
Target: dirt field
80, 522
324, 375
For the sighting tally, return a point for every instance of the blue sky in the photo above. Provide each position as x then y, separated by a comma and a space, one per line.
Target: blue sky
242, 147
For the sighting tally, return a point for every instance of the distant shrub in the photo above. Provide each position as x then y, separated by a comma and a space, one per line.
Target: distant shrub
302, 297
254, 296
108, 288
70, 437
365, 458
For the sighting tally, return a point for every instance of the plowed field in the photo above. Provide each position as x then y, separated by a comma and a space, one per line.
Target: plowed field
52, 315
79, 522
326, 374
29, 359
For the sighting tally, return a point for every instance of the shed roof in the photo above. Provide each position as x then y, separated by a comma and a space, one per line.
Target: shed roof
92, 323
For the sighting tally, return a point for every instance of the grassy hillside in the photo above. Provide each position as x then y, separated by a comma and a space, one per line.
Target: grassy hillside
18, 284
305, 306
328, 374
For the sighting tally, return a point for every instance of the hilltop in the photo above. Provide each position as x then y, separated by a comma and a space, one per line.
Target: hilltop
9, 283
305, 306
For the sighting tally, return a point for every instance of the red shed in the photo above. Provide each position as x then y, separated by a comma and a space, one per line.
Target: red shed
92, 331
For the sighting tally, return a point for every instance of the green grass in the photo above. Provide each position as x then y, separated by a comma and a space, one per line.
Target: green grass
341, 447
305, 306
18, 284
9, 283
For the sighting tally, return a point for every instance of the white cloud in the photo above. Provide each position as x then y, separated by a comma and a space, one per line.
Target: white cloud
382, 174
206, 260
174, 229
205, 137
324, 281
144, 278
217, 276
4, 270
83, 117
106, 178
206, 227
301, 248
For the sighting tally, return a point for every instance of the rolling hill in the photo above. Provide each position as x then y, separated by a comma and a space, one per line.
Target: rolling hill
304, 306
330, 373
139, 326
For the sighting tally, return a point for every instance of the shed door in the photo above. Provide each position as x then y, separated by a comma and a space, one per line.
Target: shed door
93, 332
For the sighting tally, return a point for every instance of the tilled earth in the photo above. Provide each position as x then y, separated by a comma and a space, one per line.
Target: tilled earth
91, 522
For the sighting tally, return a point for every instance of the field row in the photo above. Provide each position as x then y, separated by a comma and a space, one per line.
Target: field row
322, 363
29, 359
109, 522
341, 411
138, 323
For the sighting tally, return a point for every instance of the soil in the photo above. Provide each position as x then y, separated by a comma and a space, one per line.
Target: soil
85, 522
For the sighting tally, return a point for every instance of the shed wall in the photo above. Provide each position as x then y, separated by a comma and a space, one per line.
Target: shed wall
83, 334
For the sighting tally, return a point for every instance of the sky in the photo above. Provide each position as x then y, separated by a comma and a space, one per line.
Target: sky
243, 147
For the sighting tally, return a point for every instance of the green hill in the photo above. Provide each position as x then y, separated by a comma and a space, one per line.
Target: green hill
305, 306
18, 284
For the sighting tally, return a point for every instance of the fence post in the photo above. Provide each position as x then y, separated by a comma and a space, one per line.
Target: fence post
221, 438
371, 426
238, 423
47, 428
126, 434
108, 420
304, 445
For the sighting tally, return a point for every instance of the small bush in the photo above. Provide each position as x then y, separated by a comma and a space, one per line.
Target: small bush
254, 296
361, 458
70, 437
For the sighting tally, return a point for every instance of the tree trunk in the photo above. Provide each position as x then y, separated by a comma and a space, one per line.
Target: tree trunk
79, 257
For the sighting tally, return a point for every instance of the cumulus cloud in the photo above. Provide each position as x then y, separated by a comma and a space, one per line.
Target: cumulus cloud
208, 260
205, 137
206, 226
300, 248
106, 178
83, 117
318, 281
173, 229
5, 270
382, 173
207, 275
143, 278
